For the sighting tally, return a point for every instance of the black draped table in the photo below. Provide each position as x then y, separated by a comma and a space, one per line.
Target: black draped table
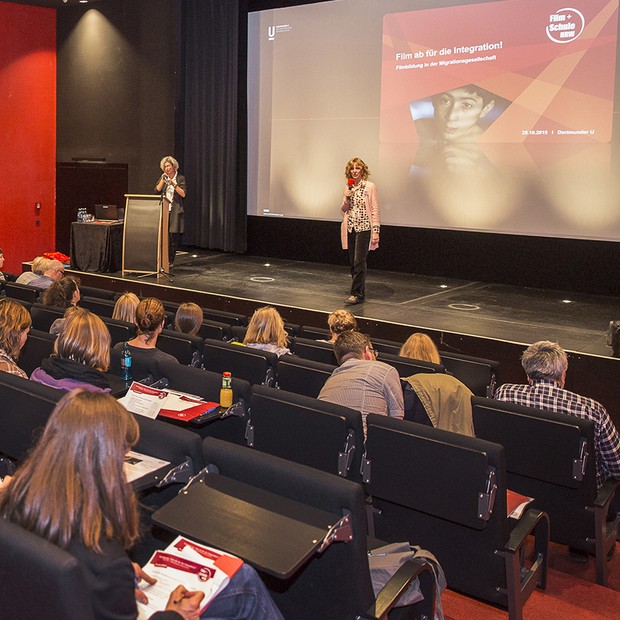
96, 246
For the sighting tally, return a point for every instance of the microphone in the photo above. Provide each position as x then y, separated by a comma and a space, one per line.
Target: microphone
351, 183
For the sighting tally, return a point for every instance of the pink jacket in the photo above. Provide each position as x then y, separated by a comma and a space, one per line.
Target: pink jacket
371, 198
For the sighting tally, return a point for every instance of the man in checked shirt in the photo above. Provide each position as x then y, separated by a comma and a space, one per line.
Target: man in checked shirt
545, 365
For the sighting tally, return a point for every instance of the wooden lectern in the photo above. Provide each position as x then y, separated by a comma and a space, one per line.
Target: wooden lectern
145, 236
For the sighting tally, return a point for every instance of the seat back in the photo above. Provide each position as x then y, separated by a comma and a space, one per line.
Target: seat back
184, 347
21, 292
237, 332
386, 346
252, 365
407, 366
142, 366
222, 316
477, 373
120, 331
171, 443
302, 376
313, 350
340, 574
306, 430
550, 457
435, 489
39, 579
315, 333
26, 407
100, 306
44, 316
207, 385
217, 330
94, 291
39, 345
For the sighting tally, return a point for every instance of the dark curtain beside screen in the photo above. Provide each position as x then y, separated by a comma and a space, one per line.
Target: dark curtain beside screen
211, 123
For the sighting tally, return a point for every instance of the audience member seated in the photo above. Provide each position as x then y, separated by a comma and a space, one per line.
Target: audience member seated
361, 382
56, 326
52, 273
125, 308
435, 399
15, 324
150, 319
62, 294
188, 319
72, 491
419, 346
39, 265
340, 321
81, 355
266, 332
545, 364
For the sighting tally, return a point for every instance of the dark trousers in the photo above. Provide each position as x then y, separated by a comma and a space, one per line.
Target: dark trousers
173, 244
358, 252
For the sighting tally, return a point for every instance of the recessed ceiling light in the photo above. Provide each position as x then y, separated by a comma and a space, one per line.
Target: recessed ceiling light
267, 265
567, 301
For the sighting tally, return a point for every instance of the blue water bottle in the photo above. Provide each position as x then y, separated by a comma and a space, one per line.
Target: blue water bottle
126, 363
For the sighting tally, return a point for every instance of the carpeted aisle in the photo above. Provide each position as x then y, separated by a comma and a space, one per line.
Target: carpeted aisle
571, 594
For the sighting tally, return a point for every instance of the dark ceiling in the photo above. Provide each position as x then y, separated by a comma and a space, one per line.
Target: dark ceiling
51, 4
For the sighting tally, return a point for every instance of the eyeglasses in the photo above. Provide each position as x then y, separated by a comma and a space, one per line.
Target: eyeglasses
374, 352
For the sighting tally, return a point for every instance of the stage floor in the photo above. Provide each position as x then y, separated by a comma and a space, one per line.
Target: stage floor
509, 313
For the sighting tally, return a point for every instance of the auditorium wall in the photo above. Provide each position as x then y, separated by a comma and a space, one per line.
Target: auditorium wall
28, 131
118, 84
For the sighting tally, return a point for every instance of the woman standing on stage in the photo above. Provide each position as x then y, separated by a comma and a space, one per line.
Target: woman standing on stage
172, 187
360, 225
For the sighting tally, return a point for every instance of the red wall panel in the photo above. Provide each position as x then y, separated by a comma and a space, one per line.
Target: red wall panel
27, 132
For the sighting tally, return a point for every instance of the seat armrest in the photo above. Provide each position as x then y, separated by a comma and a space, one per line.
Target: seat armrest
520, 579
532, 520
399, 582
606, 493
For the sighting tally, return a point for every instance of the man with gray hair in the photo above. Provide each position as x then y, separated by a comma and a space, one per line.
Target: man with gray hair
545, 364
361, 382
53, 271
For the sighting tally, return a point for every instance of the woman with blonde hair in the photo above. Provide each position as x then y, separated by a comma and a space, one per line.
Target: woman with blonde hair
125, 307
81, 355
84, 505
266, 332
15, 324
150, 320
188, 318
340, 321
419, 346
173, 188
361, 224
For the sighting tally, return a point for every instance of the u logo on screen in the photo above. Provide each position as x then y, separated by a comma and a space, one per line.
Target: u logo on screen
271, 33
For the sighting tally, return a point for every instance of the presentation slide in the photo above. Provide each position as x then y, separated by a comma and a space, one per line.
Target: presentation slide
486, 116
